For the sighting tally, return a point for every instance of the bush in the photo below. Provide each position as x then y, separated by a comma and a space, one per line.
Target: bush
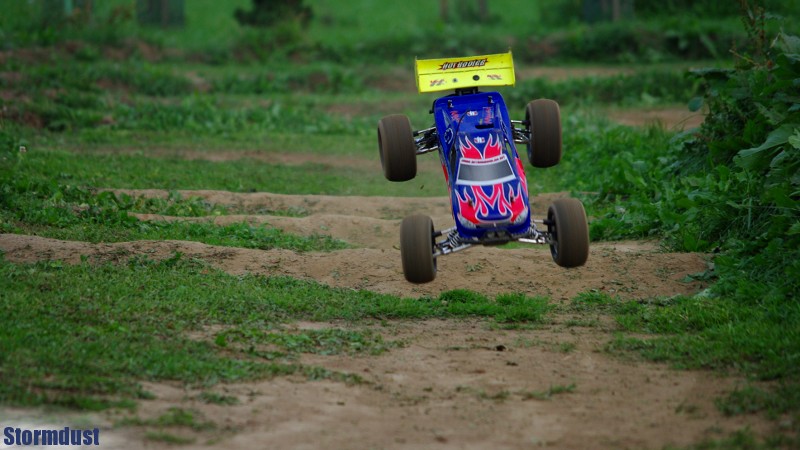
732, 185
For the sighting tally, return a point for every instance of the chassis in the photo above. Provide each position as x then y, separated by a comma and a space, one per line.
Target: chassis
475, 139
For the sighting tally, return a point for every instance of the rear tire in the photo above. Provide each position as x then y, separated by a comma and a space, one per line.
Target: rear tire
544, 132
397, 149
416, 249
568, 228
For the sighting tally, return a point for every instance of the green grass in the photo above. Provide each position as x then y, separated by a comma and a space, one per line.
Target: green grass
201, 16
83, 336
140, 172
330, 341
215, 398
783, 400
72, 213
174, 417
744, 439
409, 19
244, 235
702, 331
134, 169
168, 438
643, 88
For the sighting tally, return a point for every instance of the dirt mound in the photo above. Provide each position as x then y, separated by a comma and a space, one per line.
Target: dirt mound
628, 270
456, 384
452, 384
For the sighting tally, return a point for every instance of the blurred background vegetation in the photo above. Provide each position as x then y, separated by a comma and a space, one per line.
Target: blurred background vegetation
361, 30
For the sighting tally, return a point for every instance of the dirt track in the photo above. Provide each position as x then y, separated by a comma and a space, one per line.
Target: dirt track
630, 269
455, 383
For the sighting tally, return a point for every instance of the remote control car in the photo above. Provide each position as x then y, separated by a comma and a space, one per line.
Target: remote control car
476, 143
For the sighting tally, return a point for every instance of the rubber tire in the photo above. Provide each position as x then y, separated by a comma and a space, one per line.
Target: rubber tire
568, 228
397, 149
544, 144
416, 249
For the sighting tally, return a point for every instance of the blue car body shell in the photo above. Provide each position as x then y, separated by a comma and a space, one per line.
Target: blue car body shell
484, 174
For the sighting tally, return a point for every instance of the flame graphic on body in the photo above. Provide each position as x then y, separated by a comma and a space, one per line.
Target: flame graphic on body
478, 201
469, 150
492, 203
493, 148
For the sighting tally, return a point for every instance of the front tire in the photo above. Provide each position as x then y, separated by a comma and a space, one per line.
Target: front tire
544, 131
416, 249
569, 231
397, 149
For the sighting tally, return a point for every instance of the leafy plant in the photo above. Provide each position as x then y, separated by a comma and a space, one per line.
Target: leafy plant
732, 185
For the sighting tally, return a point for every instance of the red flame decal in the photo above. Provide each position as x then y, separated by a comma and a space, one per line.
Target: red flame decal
493, 148
469, 150
475, 204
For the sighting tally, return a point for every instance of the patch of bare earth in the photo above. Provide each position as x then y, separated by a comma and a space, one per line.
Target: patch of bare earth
454, 383
459, 384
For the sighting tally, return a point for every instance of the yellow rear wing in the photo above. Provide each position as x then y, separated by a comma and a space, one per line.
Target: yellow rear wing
448, 74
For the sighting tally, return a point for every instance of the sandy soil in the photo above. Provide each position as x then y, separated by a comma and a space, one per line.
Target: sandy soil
454, 383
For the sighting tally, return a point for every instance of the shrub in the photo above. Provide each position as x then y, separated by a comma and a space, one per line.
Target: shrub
732, 185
